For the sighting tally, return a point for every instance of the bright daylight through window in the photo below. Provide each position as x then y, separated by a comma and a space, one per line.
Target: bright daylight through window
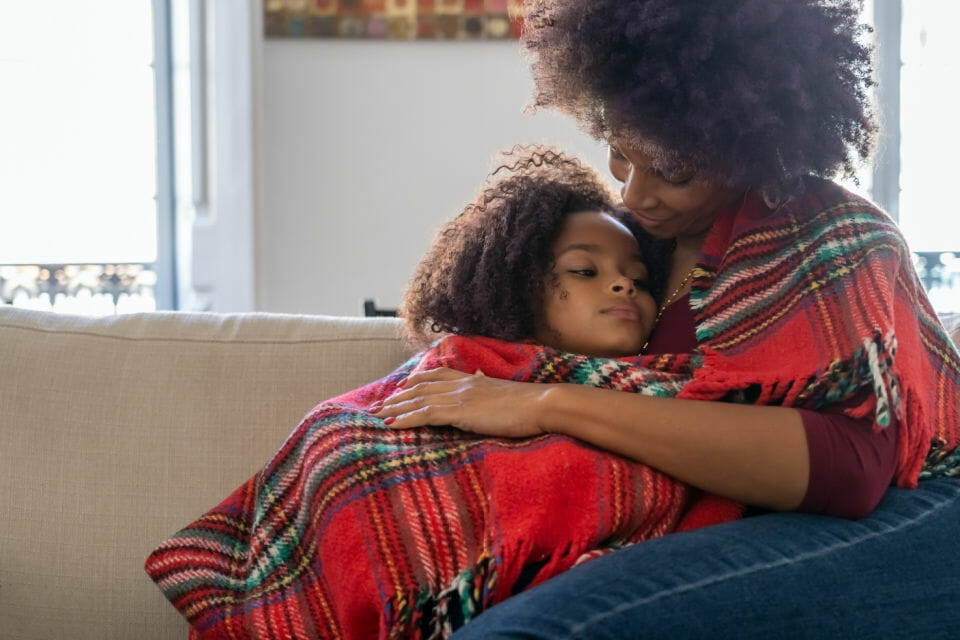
929, 103
78, 161
82, 126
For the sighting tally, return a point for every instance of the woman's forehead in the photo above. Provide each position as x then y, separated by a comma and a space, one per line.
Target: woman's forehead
648, 153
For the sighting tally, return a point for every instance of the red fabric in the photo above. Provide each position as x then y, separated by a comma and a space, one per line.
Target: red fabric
354, 530
676, 331
818, 304
851, 465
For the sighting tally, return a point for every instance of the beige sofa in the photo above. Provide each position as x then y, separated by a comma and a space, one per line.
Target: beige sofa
116, 432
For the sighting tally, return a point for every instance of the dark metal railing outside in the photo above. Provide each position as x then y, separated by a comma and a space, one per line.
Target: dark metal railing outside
940, 274
106, 287
81, 288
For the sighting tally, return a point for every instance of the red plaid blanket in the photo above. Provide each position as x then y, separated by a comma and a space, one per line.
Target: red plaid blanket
354, 530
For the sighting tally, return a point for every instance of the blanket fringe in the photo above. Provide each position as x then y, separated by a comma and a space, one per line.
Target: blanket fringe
428, 615
886, 387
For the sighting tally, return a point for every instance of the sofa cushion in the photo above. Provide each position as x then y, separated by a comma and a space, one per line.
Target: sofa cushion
116, 432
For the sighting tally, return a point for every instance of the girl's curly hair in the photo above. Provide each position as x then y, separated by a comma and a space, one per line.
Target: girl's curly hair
747, 92
488, 268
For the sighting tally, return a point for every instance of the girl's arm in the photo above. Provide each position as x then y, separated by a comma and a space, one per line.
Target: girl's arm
756, 455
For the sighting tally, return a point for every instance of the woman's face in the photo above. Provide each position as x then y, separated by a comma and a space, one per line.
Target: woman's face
599, 303
668, 206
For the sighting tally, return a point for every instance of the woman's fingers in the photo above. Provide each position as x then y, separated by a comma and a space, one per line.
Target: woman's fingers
470, 402
430, 415
416, 398
418, 391
426, 403
422, 400
432, 375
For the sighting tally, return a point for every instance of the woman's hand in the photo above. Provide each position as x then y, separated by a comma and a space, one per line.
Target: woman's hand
475, 403
756, 455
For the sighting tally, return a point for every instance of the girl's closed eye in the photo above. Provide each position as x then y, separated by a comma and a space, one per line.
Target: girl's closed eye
586, 273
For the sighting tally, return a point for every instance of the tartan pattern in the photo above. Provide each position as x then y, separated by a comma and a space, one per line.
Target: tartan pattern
819, 303
357, 531
354, 530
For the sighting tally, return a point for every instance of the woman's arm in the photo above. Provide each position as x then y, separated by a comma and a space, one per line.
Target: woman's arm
851, 464
753, 454
757, 455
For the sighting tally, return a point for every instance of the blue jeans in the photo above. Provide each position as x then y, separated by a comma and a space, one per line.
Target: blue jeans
895, 574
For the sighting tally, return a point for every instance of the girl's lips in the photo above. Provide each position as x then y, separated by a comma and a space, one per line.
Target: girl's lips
628, 313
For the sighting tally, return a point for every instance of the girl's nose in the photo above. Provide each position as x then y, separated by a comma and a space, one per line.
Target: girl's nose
623, 285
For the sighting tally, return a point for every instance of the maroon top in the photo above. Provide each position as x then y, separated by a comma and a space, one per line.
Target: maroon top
851, 466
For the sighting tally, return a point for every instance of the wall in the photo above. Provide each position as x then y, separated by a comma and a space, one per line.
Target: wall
366, 147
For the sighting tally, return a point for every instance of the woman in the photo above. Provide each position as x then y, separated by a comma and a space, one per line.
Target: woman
720, 119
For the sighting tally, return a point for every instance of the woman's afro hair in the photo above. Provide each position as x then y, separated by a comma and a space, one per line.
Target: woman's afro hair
752, 93
488, 268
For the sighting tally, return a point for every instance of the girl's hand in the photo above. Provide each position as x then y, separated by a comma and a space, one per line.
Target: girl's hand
475, 403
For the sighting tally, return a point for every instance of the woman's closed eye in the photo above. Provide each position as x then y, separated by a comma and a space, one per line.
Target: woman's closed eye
680, 178
679, 182
586, 273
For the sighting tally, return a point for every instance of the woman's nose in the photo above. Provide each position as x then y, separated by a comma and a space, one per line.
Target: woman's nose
637, 194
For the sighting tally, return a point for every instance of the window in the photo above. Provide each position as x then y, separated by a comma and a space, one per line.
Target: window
85, 223
917, 63
87, 213
929, 138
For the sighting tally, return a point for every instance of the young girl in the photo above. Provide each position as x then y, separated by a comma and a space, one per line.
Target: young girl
357, 530
543, 255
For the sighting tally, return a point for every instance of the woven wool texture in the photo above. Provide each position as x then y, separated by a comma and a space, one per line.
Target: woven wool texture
818, 303
356, 531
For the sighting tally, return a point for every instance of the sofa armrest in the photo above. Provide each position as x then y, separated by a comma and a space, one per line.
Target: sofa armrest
115, 432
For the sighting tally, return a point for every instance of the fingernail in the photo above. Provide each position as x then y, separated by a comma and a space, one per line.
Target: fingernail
375, 407
389, 421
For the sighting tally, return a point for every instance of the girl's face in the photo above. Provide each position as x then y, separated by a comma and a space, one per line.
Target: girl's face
668, 206
599, 304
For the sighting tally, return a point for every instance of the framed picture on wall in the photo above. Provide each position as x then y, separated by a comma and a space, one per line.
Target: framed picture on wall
394, 19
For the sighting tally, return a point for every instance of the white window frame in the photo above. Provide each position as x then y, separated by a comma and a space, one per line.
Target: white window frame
165, 292
887, 24
225, 112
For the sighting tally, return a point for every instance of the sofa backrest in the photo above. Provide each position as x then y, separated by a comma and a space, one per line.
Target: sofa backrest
116, 432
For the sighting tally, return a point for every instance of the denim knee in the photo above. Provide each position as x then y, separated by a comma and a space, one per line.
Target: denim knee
892, 574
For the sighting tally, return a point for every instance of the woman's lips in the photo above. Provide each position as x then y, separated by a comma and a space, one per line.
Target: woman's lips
645, 221
628, 313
